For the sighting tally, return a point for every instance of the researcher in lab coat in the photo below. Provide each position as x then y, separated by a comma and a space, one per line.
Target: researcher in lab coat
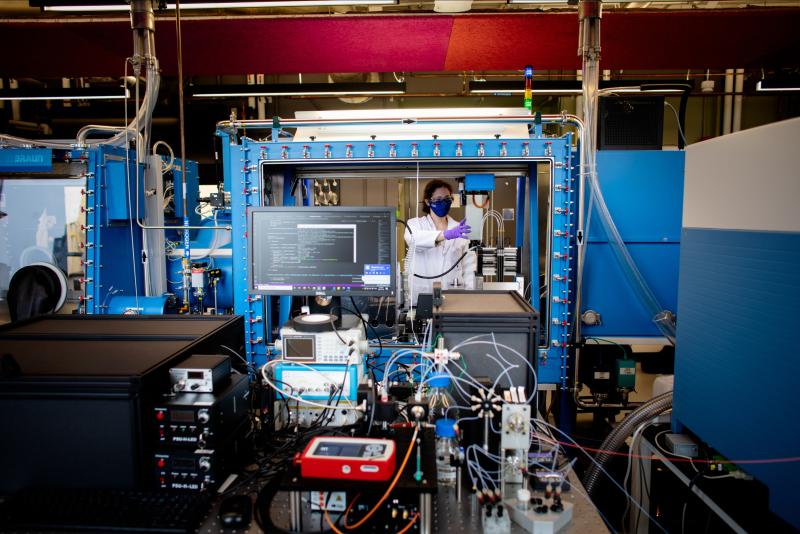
436, 242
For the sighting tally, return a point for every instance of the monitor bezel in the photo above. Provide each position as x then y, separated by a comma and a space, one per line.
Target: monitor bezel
251, 213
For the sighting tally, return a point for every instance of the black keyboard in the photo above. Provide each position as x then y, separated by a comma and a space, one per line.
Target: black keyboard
104, 510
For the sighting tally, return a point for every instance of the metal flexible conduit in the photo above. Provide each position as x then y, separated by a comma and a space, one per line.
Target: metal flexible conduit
648, 410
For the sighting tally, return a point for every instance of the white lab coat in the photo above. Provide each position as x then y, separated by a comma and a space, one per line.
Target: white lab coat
426, 257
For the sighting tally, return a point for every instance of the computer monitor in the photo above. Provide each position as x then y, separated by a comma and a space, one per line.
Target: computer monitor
335, 251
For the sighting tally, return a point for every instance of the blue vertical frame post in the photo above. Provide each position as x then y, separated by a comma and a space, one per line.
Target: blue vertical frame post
263, 155
285, 306
92, 280
533, 234
567, 408
520, 217
308, 193
112, 241
241, 164
533, 240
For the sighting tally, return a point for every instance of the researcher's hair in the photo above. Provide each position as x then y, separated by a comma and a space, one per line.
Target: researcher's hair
430, 187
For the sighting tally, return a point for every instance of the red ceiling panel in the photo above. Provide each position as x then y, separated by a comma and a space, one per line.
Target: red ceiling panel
637, 40
700, 39
64, 49
307, 45
508, 42
696, 39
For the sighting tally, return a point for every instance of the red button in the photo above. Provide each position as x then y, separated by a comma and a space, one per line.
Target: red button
161, 463
160, 415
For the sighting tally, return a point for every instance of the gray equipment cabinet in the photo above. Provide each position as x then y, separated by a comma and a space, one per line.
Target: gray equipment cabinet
514, 323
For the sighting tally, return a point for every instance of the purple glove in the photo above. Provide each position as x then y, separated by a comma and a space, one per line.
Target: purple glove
462, 230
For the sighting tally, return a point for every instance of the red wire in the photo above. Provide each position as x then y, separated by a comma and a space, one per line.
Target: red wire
787, 459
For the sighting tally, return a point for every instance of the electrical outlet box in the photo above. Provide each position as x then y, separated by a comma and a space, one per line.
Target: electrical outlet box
626, 374
478, 183
682, 445
336, 502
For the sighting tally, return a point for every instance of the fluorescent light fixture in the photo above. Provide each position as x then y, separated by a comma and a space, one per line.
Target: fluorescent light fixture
545, 2
292, 93
622, 87
298, 89
778, 85
86, 8
542, 2
571, 87
223, 5
507, 88
636, 90
89, 93
506, 92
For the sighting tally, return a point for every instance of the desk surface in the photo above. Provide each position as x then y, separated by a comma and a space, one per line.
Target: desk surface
450, 516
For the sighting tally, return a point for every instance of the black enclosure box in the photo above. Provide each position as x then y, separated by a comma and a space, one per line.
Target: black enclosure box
631, 123
512, 320
76, 394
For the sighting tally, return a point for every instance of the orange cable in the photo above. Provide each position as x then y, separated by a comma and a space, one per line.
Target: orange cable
327, 517
346, 511
409, 525
389, 489
485, 202
349, 506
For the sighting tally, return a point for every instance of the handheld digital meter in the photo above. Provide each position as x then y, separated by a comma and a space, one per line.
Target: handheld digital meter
348, 458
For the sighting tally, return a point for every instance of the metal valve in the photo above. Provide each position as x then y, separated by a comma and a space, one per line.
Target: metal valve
204, 464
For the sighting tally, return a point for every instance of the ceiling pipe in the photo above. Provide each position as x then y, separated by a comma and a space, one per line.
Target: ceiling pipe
727, 102
737, 100
231, 126
590, 13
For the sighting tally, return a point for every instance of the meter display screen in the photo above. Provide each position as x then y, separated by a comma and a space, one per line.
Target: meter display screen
350, 450
182, 416
299, 348
183, 463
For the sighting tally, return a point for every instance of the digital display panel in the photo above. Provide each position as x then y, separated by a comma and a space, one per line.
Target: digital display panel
333, 251
298, 348
181, 416
350, 450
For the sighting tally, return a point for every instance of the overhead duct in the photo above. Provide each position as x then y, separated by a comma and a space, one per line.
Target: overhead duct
357, 77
